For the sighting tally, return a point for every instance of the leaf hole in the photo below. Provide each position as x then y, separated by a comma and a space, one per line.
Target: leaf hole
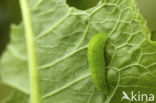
82, 4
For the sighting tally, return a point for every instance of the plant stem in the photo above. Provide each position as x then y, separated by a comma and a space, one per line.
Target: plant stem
32, 62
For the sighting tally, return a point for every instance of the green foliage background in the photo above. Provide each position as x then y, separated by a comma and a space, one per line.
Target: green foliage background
9, 13
148, 8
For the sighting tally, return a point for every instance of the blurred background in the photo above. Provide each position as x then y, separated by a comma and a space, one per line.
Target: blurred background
10, 13
148, 10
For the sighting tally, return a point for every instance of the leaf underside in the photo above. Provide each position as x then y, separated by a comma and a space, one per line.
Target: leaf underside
62, 34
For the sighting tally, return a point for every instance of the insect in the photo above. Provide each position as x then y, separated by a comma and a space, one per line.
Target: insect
97, 61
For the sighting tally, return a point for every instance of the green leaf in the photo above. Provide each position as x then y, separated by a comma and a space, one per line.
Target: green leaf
48, 55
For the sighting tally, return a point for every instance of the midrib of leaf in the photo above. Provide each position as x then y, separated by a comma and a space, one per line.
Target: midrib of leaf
32, 62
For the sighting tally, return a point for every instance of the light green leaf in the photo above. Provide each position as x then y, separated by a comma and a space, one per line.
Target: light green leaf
57, 38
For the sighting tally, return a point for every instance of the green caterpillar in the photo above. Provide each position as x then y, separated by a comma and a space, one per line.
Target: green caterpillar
97, 61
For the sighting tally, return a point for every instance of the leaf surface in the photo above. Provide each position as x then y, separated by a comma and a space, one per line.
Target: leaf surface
61, 36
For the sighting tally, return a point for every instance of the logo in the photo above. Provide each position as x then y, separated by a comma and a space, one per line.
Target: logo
137, 96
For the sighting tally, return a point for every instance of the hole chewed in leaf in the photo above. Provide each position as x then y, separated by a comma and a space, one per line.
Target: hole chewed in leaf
82, 4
